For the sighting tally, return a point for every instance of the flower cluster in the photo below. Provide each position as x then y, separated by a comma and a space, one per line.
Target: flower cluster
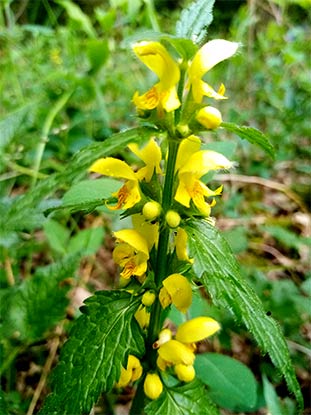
166, 187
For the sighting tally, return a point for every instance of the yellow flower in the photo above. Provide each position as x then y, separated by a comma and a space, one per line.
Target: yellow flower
195, 166
132, 372
129, 194
158, 60
175, 352
209, 117
181, 239
143, 317
151, 155
206, 58
177, 290
153, 386
131, 253
197, 329
151, 210
148, 298
172, 219
150, 231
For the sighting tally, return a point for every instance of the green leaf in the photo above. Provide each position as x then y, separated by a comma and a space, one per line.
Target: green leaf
88, 194
87, 241
219, 272
191, 398
271, 398
220, 374
252, 135
77, 15
57, 235
91, 359
38, 303
194, 20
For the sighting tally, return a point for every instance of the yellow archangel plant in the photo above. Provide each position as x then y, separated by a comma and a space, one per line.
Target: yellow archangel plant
164, 189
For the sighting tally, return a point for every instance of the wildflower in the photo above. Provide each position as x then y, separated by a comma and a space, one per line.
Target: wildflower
195, 166
175, 352
153, 386
150, 231
206, 58
158, 60
131, 253
176, 290
132, 372
196, 329
209, 117
129, 194
151, 155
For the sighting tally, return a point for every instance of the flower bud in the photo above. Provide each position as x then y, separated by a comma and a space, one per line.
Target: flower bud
153, 386
164, 336
197, 329
148, 298
132, 372
184, 373
172, 219
209, 117
143, 317
151, 210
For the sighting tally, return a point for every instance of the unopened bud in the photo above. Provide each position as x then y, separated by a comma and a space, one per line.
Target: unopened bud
151, 210
209, 117
148, 298
172, 219
184, 373
153, 386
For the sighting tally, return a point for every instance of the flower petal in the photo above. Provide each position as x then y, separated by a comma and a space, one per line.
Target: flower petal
151, 155
179, 290
176, 352
187, 147
197, 329
112, 167
134, 239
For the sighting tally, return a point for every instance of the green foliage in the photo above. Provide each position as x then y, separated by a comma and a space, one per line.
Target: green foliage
99, 344
252, 135
33, 307
195, 20
220, 374
190, 398
219, 272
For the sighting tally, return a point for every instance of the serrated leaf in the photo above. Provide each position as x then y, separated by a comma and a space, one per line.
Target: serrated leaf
252, 135
91, 359
88, 194
188, 399
194, 20
36, 305
218, 270
220, 373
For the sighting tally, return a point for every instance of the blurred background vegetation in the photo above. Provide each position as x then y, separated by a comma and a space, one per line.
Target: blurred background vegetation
67, 79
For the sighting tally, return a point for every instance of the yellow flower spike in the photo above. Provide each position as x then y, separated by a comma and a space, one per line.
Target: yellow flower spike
151, 155
148, 298
151, 210
143, 317
205, 59
177, 290
158, 60
209, 117
172, 219
131, 253
175, 352
181, 245
129, 194
197, 329
153, 386
184, 373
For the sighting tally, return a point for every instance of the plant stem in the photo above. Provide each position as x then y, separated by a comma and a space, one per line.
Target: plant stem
161, 263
